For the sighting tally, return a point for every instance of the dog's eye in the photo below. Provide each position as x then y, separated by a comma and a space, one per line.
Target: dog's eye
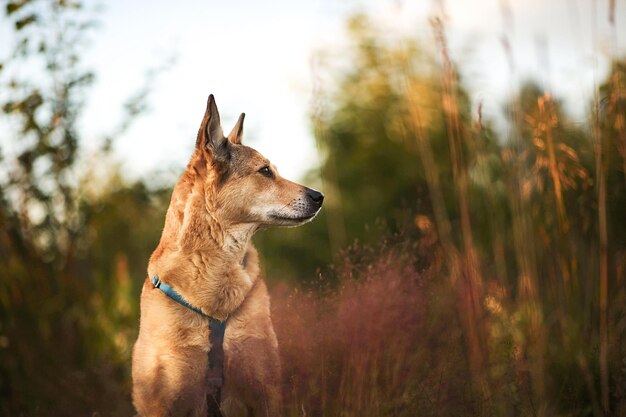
266, 172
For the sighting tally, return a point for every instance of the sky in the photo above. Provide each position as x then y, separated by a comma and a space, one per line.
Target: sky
257, 57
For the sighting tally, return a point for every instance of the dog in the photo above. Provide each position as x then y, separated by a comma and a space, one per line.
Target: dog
205, 256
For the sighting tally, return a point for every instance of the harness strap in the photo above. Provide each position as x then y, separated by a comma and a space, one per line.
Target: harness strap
216, 366
217, 329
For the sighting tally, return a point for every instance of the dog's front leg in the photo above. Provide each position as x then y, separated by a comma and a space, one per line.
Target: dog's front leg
252, 375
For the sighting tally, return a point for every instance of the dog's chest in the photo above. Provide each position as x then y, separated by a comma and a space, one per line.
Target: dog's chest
196, 336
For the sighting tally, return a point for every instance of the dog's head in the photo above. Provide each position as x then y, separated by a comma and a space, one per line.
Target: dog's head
242, 187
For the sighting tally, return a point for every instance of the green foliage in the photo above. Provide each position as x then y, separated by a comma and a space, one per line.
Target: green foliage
73, 246
613, 128
525, 266
371, 172
39, 187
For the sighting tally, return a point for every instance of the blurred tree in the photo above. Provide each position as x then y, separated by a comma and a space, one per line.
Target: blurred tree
68, 260
533, 206
43, 104
371, 170
613, 124
611, 168
43, 84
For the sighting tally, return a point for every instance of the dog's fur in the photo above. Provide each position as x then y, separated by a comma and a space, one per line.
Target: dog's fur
227, 193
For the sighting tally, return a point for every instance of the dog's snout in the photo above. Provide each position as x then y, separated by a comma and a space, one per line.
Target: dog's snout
315, 196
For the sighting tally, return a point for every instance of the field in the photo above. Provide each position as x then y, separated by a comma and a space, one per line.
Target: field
457, 269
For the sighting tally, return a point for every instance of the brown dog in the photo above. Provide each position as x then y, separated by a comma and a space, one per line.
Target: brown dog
227, 193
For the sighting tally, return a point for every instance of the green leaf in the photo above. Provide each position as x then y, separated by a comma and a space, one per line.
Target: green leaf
70, 4
25, 21
8, 107
14, 6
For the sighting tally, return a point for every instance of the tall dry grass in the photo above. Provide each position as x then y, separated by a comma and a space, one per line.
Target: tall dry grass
372, 347
527, 320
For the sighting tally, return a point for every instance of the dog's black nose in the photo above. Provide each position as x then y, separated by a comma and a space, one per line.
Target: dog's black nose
315, 196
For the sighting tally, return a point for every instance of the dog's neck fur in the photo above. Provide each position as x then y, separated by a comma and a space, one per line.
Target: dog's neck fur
237, 239
196, 245
193, 221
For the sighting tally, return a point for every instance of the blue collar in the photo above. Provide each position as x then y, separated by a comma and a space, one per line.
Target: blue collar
171, 292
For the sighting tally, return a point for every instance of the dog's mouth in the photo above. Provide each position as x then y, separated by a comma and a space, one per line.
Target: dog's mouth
293, 216
292, 219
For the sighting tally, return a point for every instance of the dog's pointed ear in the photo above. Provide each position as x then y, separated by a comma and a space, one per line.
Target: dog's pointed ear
236, 135
210, 136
